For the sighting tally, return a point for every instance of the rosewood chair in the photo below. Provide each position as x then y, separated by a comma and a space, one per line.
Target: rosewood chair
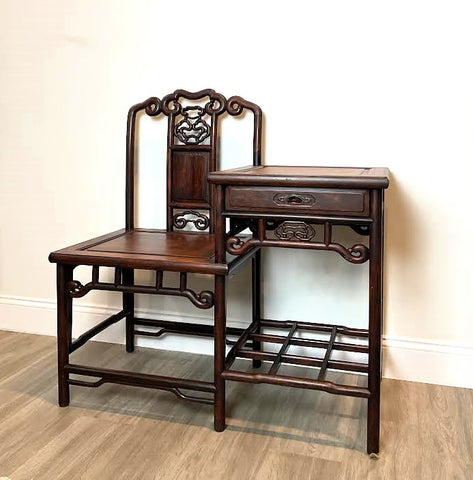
192, 141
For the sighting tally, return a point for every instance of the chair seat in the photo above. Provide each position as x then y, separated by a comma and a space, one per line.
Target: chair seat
146, 249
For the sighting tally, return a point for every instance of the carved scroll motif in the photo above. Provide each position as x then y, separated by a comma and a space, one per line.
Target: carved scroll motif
192, 129
215, 106
295, 231
201, 221
236, 246
292, 234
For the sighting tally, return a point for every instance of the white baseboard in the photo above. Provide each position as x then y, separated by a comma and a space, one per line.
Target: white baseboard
428, 361
416, 360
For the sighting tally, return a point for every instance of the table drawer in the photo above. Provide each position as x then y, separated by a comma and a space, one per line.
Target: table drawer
311, 201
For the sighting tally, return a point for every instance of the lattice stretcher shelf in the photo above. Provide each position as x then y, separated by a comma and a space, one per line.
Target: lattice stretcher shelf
243, 348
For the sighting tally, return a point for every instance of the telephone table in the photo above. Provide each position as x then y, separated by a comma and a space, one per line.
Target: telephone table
297, 207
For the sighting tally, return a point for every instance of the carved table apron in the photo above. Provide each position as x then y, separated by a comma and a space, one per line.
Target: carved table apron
287, 207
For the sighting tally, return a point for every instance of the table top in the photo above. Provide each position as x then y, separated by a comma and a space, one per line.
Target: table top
303, 176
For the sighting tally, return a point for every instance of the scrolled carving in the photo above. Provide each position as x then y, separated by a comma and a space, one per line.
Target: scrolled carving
234, 245
359, 252
203, 299
237, 246
216, 105
297, 234
192, 129
171, 105
76, 289
236, 105
153, 106
356, 254
201, 222
295, 231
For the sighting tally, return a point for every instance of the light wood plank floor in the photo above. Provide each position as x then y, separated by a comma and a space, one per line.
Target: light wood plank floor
117, 432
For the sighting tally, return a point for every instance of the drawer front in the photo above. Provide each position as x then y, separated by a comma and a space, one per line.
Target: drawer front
305, 201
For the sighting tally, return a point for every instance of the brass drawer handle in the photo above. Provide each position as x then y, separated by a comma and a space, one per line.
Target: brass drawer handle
293, 199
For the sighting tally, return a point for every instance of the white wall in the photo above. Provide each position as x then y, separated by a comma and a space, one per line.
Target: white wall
364, 83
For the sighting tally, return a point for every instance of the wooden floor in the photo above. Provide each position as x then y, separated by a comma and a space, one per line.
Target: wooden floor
116, 432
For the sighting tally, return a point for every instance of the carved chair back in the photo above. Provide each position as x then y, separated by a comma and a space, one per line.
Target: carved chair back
192, 152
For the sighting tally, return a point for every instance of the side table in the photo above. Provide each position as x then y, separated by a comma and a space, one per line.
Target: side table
297, 207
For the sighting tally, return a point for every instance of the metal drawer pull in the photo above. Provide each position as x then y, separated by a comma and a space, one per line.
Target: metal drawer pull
293, 199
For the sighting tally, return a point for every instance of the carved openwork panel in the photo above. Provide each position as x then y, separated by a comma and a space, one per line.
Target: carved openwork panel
193, 122
199, 220
191, 152
173, 103
293, 231
193, 127
296, 234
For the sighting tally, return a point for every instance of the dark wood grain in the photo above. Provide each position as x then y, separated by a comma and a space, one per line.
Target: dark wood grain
137, 242
375, 321
128, 302
64, 332
280, 205
257, 301
338, 177
288, 205
295, 200
146, 249
220, 321
192, 152
188, 172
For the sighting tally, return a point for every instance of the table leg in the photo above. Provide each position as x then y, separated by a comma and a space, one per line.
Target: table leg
256, 300
64, 331
375, 323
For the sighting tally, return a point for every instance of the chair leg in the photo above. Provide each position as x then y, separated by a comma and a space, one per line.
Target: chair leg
219, 352
64, 331
256, 300
129, 304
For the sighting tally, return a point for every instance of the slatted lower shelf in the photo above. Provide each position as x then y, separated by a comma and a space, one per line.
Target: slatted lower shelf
255, 335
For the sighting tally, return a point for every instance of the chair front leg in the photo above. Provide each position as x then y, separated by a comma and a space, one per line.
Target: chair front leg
220, 319
64, 331
129, 305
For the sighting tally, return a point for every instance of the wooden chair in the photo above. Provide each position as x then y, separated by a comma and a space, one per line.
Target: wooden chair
192, 141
